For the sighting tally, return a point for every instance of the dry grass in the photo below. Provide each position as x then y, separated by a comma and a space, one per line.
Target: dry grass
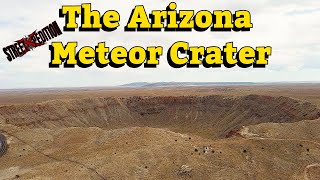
161, 134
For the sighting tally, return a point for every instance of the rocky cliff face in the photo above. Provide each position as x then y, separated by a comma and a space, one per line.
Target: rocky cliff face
210, 116
181, 137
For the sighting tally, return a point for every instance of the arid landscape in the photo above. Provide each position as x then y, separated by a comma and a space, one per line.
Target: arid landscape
253, 131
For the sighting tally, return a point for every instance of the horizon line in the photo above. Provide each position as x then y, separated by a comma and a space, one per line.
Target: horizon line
127, 85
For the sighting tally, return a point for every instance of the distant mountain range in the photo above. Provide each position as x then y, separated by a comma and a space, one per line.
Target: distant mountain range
166, 84
158, 84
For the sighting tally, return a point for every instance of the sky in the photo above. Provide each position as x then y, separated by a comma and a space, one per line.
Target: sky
290, 27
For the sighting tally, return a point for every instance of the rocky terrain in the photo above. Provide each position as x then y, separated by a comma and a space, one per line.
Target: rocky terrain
214, 136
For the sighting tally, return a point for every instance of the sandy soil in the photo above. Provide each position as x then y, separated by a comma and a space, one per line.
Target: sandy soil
221, 132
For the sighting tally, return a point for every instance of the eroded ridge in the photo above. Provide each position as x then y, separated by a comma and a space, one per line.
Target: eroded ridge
212, 116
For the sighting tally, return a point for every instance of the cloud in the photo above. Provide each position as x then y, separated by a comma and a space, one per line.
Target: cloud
303, 11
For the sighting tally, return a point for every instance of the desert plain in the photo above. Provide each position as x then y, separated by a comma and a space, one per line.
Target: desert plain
248, 131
